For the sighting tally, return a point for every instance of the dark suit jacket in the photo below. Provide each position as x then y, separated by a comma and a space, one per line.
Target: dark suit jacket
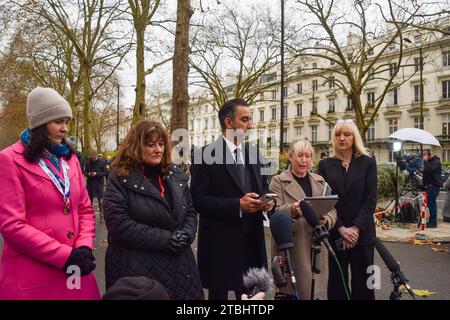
227, 243
357, 199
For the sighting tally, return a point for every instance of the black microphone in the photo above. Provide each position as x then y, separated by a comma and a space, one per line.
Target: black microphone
392, 265
319, 229
257, 280
281, 228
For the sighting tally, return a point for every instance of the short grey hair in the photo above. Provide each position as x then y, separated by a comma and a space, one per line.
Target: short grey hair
300, 146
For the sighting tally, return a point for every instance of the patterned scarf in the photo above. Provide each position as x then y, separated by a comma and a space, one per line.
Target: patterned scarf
52, 152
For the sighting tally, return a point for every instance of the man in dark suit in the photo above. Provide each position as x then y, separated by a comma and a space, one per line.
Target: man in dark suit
226, 182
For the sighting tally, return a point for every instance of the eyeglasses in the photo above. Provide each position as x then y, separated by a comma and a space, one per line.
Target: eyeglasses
349, 121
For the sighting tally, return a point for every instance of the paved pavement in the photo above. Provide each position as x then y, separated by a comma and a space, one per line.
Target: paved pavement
404, 232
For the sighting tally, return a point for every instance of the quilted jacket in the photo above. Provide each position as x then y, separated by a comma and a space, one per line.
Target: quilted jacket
140, 223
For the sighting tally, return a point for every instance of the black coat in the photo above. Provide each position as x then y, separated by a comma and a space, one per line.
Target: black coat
357, 194
225, 247
95, 184
432, 172
140, 223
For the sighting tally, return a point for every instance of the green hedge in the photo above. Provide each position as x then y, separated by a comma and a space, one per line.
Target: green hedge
386, 180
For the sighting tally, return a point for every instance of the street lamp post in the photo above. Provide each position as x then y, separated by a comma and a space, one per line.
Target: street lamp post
118, 115
420, 80
282, 78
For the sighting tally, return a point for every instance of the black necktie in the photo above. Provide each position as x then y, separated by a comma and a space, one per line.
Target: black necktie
240, 166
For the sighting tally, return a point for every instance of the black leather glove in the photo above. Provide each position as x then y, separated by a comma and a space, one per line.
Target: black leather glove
179, 241
83, 258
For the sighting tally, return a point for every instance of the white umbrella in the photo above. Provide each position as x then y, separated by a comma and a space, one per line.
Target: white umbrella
416, 135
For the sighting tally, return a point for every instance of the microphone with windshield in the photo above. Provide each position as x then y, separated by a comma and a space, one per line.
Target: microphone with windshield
320, 232
257, 280
281, 228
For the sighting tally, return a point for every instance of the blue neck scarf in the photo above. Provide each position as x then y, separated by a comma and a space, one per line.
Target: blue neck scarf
52, 152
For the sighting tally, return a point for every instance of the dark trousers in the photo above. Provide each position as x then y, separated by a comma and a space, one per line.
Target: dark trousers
359, 259
432, 193
99, 200
223, 295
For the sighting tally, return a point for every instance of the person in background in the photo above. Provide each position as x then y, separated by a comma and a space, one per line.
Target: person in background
149, 215
291, 186
432, 183
352, 175
95, 171
46, 219
71, 142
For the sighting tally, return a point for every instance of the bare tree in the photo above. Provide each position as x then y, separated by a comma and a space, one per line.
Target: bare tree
373, 50
143, 13
243, 45
91, 27
180, 94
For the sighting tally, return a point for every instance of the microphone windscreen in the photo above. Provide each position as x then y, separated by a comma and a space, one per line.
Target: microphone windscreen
309, 214
257, 280
388, 259
281, 228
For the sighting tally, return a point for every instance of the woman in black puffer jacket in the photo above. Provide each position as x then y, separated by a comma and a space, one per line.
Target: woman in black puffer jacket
149, 215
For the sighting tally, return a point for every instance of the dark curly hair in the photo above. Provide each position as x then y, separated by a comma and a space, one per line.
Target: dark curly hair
39, 141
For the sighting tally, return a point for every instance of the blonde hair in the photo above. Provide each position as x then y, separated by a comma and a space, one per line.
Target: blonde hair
358, 145
300, 146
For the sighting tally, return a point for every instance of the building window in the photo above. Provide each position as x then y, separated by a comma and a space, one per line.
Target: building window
392, 47
314, 107
274, 95
285, 112
206, 124
371, 74
299, 88
274, 113
314, 65
371, 99
285, 91
315, 85
417, 96
213, 123
272, 137
392, 69
261, 115
417, 122
313, 134
446, 89
331, 105
285, 135
370, 133
393, 96
392, 156
446, 124
446, 59
261, 137
213, 139
349, 56
417, 64
299, 132
332, 62
330, 131
261, 96
299, 110
370, 52
332, 83
418, 40
350, 104
446, 155
393, 126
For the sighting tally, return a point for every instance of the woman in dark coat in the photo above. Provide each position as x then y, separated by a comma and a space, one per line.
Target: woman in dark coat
352, 175
149, 215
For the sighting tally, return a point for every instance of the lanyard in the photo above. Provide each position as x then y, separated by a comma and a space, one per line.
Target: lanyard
57, 181
161, 186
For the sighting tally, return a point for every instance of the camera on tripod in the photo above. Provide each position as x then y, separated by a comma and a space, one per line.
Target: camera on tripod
410, 162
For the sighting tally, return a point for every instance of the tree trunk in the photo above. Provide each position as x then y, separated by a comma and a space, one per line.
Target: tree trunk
180, 92
139, 104
86, 111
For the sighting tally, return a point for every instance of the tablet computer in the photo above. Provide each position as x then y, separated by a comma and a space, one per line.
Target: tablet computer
321, 204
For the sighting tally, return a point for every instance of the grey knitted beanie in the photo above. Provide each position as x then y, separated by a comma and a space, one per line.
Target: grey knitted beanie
45, 105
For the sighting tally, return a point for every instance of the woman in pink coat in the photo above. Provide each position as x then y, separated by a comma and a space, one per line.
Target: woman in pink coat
46, 218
